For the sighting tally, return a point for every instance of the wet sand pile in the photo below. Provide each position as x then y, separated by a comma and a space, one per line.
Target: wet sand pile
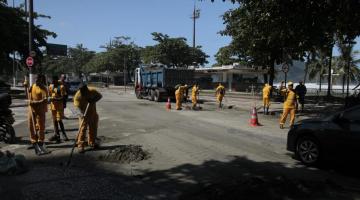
125, 154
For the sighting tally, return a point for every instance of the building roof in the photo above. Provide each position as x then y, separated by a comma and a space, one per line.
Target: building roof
235, 68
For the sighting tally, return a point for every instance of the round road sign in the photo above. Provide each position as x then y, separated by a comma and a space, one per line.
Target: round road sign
29, 61
285, 68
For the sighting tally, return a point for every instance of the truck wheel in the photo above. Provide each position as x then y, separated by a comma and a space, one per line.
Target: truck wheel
157, 97
152, 95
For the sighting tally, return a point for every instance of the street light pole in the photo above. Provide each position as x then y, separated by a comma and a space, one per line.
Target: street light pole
13, 64
195, 15
31, 23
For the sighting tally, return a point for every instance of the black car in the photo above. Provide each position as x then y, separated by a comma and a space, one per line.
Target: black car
327, 138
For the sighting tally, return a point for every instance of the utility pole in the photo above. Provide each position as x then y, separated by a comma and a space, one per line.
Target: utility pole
31, 23
124, 74
13, 64
195, 15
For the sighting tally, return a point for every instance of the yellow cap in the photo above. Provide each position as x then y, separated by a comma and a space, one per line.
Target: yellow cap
290, 83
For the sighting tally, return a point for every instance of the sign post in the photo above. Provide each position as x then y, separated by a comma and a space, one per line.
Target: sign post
285, 69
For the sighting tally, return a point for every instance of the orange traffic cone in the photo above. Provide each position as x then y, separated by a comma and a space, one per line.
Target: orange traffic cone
168, 104
254, 118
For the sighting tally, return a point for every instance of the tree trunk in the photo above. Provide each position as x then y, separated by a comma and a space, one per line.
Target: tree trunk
306, 72
343, 84
320, 82
271, 72
329, 73
265, 78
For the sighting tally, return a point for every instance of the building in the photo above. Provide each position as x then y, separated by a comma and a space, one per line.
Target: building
235, 77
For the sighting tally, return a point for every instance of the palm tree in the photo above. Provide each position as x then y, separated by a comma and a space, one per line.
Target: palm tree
340, 67
347, 61
316, 66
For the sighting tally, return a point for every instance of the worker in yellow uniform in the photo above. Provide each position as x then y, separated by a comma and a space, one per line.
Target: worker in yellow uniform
179, 95
220, 93
289, 105
87, 96
194, 95
266, 98
57, 94
36, 117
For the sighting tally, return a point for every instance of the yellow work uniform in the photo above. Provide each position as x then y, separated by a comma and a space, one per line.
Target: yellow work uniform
56, 105
179, 94
194, 95
220, 93
37, 112
289, 106
91, 119
266, 95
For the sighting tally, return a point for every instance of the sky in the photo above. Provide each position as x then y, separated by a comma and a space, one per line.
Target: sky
94, 22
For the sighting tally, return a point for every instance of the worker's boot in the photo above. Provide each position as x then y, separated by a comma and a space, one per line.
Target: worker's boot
56, 136
267, 110
63, 131
43, 149
281, 126
264, 111
81, 150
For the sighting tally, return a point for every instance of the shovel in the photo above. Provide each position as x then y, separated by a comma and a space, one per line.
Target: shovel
77, 136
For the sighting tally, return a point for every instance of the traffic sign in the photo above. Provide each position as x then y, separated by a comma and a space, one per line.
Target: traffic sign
285, 68
29, 61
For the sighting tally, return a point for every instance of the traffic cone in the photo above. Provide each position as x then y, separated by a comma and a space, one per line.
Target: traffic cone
168, 104
254, 118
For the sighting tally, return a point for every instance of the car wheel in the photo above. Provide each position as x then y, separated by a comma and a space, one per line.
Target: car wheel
308, 150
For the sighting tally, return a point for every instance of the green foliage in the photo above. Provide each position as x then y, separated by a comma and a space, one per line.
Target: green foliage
14, 36
76, 59
172, 52
225, 56
273, 31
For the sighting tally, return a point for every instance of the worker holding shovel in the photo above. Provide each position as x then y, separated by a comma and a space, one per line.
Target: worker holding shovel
195, 95
83, 97
36, 118
220, 93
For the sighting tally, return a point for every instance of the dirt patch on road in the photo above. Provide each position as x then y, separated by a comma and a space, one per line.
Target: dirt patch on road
125, 154
277, 188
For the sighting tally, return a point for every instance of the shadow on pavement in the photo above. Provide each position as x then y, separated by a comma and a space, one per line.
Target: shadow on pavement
239, 178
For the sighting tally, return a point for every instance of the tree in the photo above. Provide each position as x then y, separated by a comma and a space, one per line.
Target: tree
14, 36
347, 58
268, 32
316, 66
121, 55
173, 52
77, 58
225, 56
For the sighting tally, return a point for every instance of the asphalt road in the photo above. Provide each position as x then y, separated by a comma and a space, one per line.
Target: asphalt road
190, 153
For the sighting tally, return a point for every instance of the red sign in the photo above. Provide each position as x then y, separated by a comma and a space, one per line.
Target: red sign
29, 61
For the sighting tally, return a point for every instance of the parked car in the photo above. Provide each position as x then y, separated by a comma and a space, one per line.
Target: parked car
333, 137
74, 86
